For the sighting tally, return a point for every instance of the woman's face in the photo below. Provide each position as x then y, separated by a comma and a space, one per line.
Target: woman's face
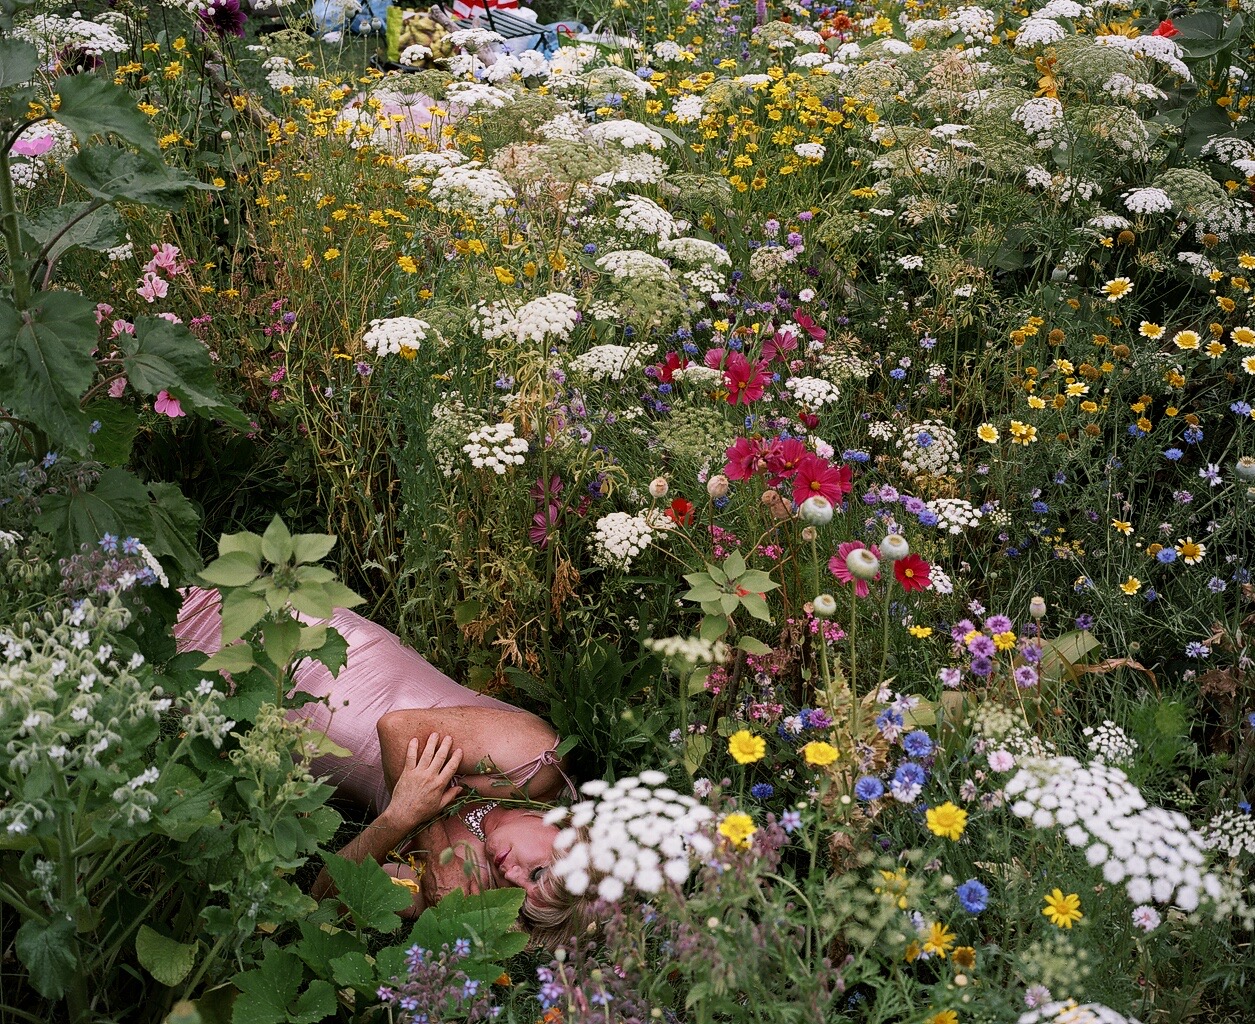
519, 849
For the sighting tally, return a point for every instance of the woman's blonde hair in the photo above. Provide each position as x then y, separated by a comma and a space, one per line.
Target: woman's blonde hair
553, 914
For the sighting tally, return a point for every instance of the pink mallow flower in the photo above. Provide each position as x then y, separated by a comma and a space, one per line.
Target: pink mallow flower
152, 287
165, 257
168, 405
117, 387
34, 147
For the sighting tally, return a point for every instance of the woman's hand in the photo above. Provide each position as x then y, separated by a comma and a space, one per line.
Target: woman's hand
422, 789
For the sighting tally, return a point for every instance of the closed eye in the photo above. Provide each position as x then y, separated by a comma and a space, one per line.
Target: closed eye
536, 875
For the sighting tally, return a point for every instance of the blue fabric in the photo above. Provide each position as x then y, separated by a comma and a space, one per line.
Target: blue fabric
331, 16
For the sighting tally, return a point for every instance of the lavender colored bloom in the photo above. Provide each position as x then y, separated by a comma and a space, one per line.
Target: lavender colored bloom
109, 544
869, 788
982, 667
1025, 677
791, 821
999, 624
897, 373
973, 896
950, 677
981, 646
913, 505
818, 719
928, 518
1194, 649
1084, 622
917, 743
1216, 585
1173, 454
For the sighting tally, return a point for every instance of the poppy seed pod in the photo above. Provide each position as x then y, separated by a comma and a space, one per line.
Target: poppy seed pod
825, 606
1037, 608
894, 547
717, 486
816, 510
658, 487
1245, 468
863, 565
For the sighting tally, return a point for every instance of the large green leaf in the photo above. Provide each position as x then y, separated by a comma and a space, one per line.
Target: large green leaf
369, 893
265, 993
112, 174
166, 959
18, 61
112, 442
318, 1002
487, 917
175, 523
45, 949
162, 356
94, 227
46, 352
92, 105
118, 504
320, 945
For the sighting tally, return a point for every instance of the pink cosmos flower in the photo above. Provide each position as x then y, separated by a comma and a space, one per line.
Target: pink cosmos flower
818, 476
168, 405
838, 568
714, 358
781, 343
743, 455
783, 459
152, 287
744, 380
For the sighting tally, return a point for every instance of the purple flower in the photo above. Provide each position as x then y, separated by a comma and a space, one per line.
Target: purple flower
910, 774
1084, 622
917, 743
982, 667
791, 821
1194, 649
950, 678
869, 788
762, 791
998, 624
981, 647
222, 17
973, 897
1025, 677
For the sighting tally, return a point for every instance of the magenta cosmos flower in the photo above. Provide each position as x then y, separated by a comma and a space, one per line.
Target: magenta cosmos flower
838, 567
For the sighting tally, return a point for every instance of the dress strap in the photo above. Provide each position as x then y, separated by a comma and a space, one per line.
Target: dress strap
525, 772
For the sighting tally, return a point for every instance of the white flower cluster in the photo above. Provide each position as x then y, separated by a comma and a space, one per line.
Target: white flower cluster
1147, 200
569, 126
769, 261
398, 335
1038, 31
628, 263
1072, 1012
477, 94
667, 50
471, 189
813, 392
134, 799
699, 376
1122, 87
695, 252
638, 215
691, 649
282, 77
811, 150
1110, 744
1232, 833
495, 447
430, 163
688, 109
1041, 117
29, 170
635, 169
929, 448
1153, 851
637, 833
618, 538
607, 362
628, 134
1157, 48
954, 515
551, 316
52, 33
975, 24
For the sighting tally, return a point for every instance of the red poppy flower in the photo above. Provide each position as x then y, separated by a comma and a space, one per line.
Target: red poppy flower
912, 572
743, 455
819, 476
808, 419
1166, 29
680, 512
783, 458
744, 380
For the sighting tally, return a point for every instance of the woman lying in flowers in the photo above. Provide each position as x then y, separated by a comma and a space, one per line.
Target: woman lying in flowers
441, 766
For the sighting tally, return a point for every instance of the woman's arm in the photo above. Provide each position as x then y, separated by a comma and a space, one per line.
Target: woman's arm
494, 738
421, 792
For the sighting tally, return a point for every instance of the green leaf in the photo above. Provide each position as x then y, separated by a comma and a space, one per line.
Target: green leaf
266, 992
45, 949
729, 603
734, 565
175, 524
234, 569
1060, 655
756, 606
235, 658
312, 547
757, 581
98, 229
319, 945
353, 970
93, 105
162, 356
369, 893
46, 352
334, 652
164, 958
696, 748
18, 61
247, 542
713, 627
316, 1003
241, 611
487, 917
752, 645
276, 543
113, 174
119, 424
118, 504
280, 640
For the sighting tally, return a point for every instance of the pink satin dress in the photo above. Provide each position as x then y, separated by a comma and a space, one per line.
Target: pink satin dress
381, 675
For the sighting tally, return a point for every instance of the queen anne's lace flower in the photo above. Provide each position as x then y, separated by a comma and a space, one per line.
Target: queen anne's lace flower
398, 335
813, 392
1147, 200
638, 215
1071, 1012
628, 134
954, 515
1038, 31
929, 448
1110, 744
471, 189
634, 168
607, 362
618, 538
495, 447
1232, 833
551, 316
632, 263
640, 834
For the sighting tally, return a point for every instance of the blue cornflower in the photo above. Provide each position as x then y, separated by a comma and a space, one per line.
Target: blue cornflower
1040, 508
928, 518
910, 774
854, 455
590, 248
762, 790
664, 389
1193, 434
917, 743
928, 342
888, 719
1166, 556
1216, 585
1173, 454
109, 544
791, 821
973, 897
897, 373
1136, 431
94, 428
1250, 719
1194, 649
1061, 478
1240, 408
736, 344
869, 788
1084, 622
644, 72
924, 439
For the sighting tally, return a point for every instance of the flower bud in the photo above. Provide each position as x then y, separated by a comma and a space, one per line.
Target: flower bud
863, 565
658, 487
809, 534
825, 606
1245, 468
894, 547
717, 486
816, 510
1037, 608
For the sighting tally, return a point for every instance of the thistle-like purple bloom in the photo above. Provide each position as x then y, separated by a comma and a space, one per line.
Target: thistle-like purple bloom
222, 17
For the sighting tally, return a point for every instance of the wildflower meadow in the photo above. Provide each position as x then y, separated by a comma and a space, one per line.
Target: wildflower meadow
837, 420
